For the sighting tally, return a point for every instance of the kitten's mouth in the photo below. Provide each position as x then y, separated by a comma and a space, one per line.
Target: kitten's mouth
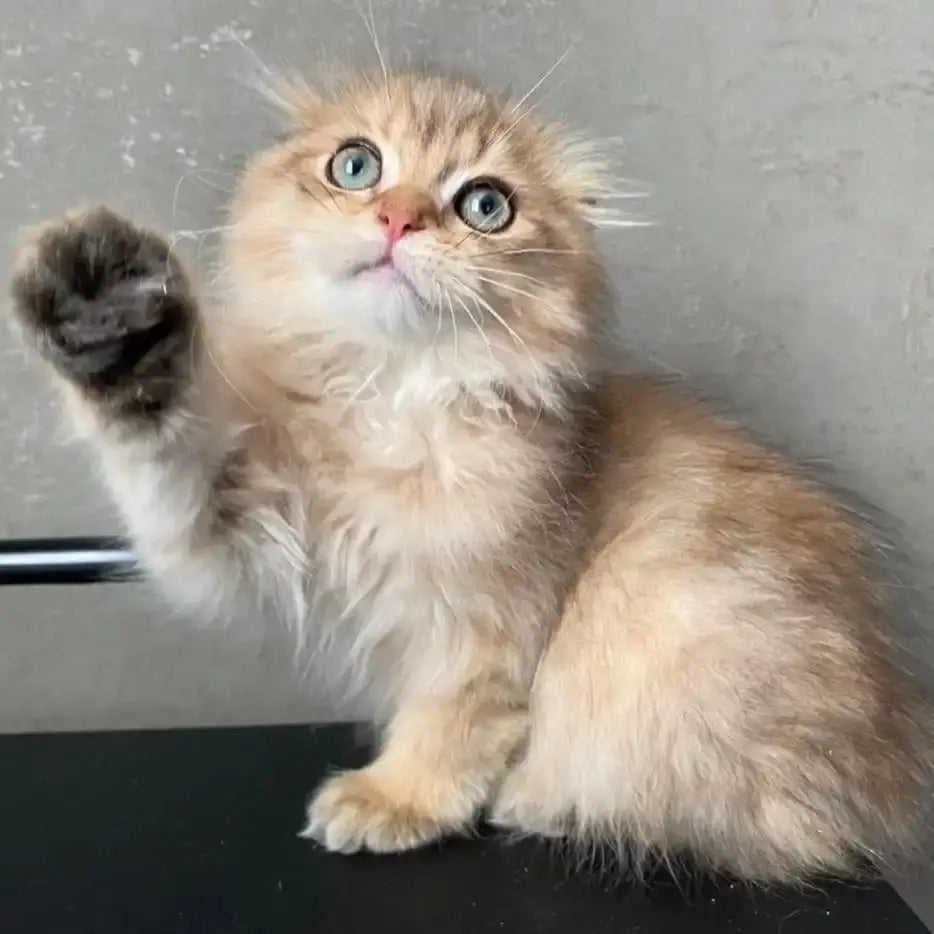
384, 262
384, 270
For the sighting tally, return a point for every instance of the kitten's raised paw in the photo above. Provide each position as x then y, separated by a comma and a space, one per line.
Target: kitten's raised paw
353, 812
109, 306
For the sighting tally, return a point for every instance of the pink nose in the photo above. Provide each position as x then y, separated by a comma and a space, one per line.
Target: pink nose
399, 219
405, 209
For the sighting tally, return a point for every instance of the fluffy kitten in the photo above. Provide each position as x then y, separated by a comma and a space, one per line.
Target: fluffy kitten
574, 601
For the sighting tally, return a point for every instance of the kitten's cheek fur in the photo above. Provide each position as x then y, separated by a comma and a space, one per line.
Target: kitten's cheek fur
109, 307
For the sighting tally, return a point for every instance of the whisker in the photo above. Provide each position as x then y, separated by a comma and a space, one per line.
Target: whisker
263, 67
221, 271
175, 194
305, 190
443, 295
604, 222
543, 79
223, 375
524, 250
453, 325
518, 291
624, 195
507, 272
510, 288
523, 114
482, 302
532, 107
478, 326
201, 176
355, 395
369, 21
334, 200
192, 234
508, 130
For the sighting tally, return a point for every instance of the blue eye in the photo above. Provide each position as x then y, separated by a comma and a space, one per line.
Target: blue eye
355, 167
485, 205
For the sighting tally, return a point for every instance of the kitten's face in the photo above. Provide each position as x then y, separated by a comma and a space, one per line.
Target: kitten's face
420, 206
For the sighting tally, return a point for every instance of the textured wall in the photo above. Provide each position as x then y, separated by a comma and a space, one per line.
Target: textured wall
788, 144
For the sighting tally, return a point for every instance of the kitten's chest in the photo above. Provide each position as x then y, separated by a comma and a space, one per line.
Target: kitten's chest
417, 455
419, 476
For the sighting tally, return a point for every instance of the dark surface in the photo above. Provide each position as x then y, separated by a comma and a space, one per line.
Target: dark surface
194, 832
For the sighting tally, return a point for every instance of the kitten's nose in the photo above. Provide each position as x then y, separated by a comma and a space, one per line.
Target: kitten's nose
405, 209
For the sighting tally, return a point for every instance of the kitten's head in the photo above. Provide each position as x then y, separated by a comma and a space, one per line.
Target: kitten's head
420, 208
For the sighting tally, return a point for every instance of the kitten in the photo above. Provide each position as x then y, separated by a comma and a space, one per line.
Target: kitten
576, 603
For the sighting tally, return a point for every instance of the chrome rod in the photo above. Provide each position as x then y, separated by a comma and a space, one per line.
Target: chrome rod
78, 560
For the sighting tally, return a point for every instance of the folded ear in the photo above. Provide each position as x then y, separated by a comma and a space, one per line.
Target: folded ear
586, 170
294, 99
299, 101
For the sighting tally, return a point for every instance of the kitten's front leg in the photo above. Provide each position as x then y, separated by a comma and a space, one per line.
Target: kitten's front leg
441, 759
110, 308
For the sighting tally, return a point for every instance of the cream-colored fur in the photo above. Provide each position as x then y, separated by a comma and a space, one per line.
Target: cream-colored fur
575, 601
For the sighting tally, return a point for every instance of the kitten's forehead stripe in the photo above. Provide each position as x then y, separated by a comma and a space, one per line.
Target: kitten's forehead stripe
439, 126
432, 116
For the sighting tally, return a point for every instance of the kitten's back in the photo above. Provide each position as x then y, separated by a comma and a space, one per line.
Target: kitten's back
722, 680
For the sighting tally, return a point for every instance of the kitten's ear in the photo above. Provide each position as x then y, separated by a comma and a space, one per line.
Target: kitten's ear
586, 168
298, 102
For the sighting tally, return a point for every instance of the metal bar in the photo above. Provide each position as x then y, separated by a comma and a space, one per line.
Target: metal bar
78, 560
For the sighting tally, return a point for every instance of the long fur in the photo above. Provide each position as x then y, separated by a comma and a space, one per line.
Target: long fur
577, 602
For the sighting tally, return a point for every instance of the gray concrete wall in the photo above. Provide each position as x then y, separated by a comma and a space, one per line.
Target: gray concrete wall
789, 144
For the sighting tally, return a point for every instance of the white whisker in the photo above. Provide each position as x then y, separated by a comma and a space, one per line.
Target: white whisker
481, 302
220, 372
527, 250
175, 193
221, 271
606, 222
369, 21
625, 195
508, 130
439, 309
511, 288
478, 325
507, 272
372, 376
453, 323
263, 67
191, 234
542, 80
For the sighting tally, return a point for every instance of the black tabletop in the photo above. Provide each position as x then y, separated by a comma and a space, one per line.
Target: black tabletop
194, 832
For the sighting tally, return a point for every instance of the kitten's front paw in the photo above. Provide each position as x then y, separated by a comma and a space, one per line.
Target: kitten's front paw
108, 305
354, 811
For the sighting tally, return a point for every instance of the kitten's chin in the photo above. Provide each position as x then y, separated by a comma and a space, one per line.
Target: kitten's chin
377, 298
